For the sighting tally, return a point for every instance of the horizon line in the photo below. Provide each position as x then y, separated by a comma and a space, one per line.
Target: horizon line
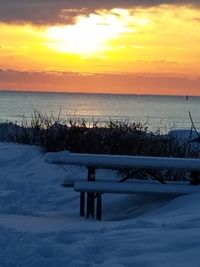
92, 93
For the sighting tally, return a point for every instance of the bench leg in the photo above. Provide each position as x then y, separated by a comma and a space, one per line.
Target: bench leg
195, 178
90, 196
99, 206
82, 204
90, 205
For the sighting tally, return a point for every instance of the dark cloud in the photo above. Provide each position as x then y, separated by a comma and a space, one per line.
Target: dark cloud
59, 11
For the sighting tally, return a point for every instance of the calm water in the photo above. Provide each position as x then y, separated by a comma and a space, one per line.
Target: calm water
164, 112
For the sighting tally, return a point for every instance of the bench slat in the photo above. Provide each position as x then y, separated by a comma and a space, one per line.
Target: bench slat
135, 188
121, 161
69, 182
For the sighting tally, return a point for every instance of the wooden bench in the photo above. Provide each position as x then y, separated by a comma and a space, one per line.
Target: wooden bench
92, 206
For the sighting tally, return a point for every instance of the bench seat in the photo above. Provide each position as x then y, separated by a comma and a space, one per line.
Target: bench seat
93, 188
135, 188
70, 182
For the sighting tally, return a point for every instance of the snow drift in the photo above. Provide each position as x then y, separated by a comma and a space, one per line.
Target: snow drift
40, 225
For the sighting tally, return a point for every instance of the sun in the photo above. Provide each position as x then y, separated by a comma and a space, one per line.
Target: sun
90, 34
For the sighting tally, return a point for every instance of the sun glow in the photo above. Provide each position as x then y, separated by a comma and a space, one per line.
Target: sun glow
151, 47
89, 35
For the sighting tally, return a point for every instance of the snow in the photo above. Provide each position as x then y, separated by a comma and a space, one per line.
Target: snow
40, 224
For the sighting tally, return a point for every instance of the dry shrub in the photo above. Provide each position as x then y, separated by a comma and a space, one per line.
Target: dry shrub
113, 137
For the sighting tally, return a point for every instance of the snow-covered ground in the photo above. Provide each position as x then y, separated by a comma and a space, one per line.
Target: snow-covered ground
40, 225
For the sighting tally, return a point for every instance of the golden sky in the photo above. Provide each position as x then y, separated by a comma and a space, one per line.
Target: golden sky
149, 49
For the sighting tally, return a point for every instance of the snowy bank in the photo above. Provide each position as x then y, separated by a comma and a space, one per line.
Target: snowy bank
40, 226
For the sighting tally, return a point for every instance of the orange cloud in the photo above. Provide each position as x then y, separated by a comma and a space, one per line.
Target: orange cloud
103, 83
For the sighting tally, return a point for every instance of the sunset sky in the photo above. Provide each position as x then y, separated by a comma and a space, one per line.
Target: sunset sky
107, 46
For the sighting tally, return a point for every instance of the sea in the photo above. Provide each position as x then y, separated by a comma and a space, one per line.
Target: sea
158, 112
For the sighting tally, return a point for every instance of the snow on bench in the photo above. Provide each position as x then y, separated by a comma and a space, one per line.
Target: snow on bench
70, 182
94, 189
122, 161
134, 187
